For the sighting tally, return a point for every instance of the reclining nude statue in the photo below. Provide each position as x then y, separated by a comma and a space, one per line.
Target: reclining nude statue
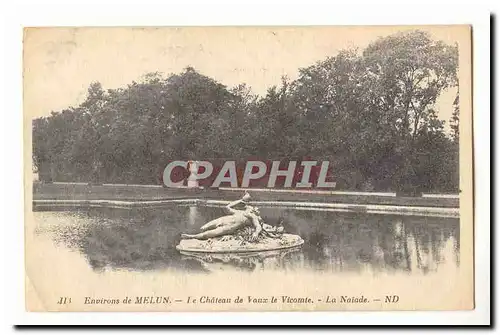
238, 218
243, 229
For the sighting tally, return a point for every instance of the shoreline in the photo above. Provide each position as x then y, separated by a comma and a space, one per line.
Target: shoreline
78, 195
40, 205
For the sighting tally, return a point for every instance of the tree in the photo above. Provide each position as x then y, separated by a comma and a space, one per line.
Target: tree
334, 123
372, 114
455, 119
41, 150
410, 71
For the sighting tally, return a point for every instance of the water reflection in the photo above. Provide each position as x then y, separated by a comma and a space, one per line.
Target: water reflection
193, 214
252, 261
345, 242
145, 239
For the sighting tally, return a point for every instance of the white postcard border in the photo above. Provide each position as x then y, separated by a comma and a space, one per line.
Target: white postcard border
256, 13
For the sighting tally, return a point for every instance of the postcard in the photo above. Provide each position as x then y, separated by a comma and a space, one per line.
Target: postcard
285, 168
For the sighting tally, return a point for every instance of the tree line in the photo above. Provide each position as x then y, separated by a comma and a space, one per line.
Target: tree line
371, 113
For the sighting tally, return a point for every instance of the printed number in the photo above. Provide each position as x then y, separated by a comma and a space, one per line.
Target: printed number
64, 301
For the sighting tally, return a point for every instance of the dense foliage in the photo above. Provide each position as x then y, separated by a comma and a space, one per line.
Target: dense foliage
371, 114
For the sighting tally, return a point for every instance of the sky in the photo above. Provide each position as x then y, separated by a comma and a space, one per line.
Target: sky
60, 63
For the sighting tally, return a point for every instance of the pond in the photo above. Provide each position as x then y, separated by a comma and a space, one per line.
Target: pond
144, 239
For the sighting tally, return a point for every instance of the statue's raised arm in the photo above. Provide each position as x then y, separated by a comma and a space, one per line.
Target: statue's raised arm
243, 201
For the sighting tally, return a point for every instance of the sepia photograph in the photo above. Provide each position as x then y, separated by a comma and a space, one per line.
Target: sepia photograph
308, 168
